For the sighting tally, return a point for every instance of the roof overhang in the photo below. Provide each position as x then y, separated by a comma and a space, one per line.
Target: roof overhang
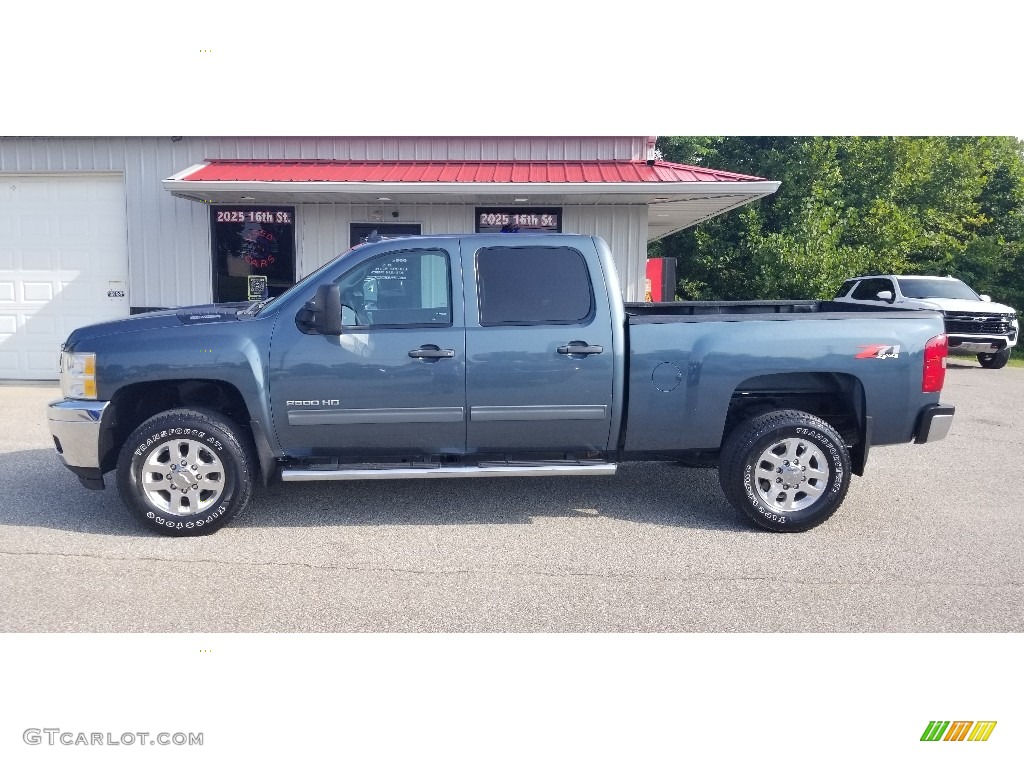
671, 205
665, 217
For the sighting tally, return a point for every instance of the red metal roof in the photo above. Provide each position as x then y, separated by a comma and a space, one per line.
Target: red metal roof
484, 171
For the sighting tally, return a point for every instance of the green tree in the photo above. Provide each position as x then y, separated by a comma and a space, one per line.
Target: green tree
854, 205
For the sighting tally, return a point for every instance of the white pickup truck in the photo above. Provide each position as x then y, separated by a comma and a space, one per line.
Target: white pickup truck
975, 325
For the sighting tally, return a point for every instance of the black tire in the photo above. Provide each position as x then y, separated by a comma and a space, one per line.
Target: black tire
763, 447
994, 359
161, 498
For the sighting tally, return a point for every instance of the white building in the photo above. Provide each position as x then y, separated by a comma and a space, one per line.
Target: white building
97, 228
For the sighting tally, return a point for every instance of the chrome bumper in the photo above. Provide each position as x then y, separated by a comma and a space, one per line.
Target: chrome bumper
933, 423
973, 347
75, 426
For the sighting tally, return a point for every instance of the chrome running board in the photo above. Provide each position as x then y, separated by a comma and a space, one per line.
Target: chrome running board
483, 469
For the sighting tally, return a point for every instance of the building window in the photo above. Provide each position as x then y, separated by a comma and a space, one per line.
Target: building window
518, 219
253, 251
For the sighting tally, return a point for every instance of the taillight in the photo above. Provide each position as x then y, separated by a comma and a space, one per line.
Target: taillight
935, 352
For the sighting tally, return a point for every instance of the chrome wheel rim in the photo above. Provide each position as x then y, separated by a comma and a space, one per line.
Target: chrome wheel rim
183, 477
790, 475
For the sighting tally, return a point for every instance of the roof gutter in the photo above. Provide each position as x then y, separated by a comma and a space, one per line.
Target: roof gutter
758, 188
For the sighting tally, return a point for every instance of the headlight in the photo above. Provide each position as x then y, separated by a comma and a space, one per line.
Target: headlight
78, 375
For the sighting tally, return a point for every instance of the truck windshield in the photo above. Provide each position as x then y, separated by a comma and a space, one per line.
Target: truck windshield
936, 289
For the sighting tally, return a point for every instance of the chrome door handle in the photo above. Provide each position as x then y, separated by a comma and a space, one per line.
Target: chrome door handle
580, 348
431, 352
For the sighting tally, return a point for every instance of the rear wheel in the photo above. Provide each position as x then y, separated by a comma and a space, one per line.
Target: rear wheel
994, 359
186, 472
785, 470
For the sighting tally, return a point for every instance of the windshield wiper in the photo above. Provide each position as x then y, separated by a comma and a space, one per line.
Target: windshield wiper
252, 310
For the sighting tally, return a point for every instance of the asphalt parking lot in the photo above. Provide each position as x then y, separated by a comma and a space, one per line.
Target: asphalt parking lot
929, 540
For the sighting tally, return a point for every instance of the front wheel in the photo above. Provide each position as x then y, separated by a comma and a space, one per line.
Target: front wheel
186, 472
994, 359
785, 470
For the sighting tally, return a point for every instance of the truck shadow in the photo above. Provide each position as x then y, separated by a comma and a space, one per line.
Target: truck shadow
647, 493
37, 492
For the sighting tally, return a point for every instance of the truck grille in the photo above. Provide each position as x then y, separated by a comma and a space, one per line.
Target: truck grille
980, 324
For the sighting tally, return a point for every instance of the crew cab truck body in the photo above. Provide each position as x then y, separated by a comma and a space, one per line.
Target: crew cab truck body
490, 355
975, 325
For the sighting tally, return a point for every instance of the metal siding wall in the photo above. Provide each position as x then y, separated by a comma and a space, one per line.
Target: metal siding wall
169, 238
494, 148
108, 153
624, 228
323, 229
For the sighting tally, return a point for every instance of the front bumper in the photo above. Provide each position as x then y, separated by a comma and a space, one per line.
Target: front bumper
76, 426
978, 344
933, 423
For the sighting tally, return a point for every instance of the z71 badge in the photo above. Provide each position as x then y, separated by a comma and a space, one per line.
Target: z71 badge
879, 351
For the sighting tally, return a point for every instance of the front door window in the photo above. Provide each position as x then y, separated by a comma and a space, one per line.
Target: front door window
403, 289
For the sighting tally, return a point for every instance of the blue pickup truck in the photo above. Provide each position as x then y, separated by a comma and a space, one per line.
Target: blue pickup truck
490, 356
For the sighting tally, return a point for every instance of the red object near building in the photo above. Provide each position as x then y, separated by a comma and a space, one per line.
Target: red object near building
661, 280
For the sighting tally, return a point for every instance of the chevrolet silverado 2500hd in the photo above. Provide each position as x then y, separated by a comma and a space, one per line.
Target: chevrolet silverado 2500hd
490, 355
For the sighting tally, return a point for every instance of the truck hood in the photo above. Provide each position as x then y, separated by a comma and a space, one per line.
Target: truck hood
164, 318
963, 305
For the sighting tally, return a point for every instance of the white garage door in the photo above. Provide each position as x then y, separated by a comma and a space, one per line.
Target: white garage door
63, 264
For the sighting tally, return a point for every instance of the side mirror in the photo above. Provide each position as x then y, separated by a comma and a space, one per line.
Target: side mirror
985, 297
323, 313
327, 312
885, 296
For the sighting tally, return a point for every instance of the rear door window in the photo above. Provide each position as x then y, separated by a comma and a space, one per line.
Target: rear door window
533, 286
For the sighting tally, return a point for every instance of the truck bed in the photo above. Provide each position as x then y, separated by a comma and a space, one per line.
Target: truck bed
688, 360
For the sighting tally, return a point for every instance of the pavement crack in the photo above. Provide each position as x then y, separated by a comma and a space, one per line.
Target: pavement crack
251, 563
608, 575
